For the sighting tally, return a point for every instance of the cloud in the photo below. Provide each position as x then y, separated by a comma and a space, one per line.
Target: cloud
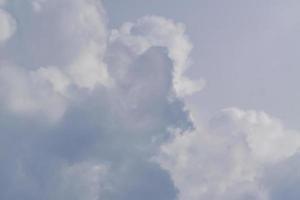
118, 129
78, 50
157, 31
7, 25
24, 92
90, 113
67, 54
81, 113
232, 158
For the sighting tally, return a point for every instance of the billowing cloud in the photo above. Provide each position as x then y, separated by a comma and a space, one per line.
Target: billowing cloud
59, 51
82, 111
75, 49
231, 158
90, 113
157, 31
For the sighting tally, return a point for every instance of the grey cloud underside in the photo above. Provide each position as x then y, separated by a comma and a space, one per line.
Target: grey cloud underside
89, 113
67, 139
102, 128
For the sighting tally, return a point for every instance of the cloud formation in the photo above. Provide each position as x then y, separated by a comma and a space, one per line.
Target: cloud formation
7, 26
90, 113
232, 158
157, 31
82, 111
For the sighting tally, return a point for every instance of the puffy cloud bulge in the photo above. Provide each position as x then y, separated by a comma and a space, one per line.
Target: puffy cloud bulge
84, 108
239, 155
90, 113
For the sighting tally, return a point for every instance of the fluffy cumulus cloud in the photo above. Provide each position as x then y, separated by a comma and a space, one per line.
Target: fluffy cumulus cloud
90, 113
235, 157
157, 31
59, 47
83, 108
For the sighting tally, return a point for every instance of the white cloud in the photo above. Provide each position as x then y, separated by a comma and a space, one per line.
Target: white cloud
26, 93
44, 87
228, 159
160, 32
266, 136
76, 53
58, 80
89, 70
109, 106
7, 25
113, 95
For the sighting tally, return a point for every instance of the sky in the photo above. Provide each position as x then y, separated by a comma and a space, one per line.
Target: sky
152, 100
245, 50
